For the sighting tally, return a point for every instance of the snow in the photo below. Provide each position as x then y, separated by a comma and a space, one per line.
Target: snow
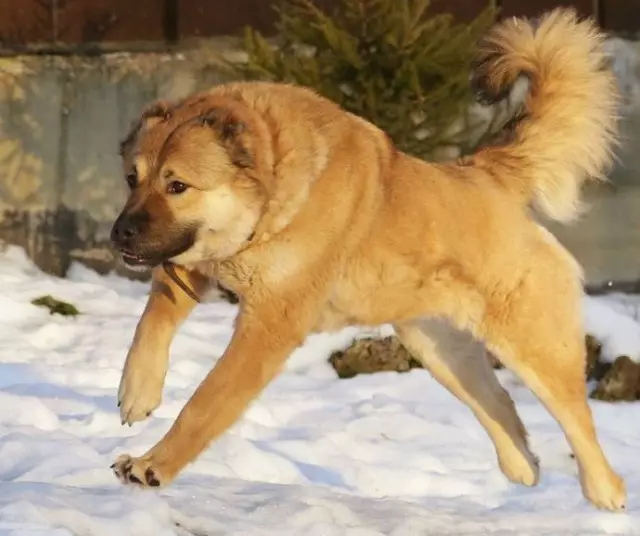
385, 454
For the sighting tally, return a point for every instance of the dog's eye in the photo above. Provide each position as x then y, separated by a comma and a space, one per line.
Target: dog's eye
132, 180
176, 187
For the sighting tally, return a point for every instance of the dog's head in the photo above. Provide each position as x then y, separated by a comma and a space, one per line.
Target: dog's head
196, 187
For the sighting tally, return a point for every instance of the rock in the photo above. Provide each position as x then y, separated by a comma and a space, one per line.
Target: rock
366, 356
595, 368
594, 351
621, 383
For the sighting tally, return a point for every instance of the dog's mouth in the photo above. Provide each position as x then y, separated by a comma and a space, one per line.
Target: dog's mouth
135, 260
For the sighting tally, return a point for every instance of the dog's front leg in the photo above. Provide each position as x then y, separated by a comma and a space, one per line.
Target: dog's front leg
264, 338
140, 390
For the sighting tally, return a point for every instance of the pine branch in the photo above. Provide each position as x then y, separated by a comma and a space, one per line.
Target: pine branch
388, 61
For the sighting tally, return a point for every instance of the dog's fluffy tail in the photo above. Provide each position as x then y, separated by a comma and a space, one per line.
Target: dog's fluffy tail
567, 130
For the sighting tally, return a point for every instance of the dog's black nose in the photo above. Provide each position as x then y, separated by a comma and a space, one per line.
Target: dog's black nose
122, 231
127, 227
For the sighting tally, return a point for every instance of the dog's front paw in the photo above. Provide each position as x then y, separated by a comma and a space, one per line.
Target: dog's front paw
140, 393
137, 471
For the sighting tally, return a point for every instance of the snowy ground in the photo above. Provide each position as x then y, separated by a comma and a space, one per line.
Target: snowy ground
383, 454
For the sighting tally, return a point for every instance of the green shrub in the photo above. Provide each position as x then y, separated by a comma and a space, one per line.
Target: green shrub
389, 61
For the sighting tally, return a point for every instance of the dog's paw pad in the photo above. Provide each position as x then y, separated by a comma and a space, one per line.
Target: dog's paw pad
136, 471
150, 478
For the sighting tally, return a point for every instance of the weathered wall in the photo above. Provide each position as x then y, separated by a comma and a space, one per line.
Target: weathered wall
61, 119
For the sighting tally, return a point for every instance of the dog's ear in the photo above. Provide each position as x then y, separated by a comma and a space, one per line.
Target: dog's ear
155, 112
229, 130
151, 115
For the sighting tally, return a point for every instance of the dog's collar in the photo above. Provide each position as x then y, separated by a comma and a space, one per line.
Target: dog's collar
170, 270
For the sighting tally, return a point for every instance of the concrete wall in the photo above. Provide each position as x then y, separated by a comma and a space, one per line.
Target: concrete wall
61, 119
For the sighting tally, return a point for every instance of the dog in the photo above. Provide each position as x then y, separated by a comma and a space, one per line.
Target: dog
313, 218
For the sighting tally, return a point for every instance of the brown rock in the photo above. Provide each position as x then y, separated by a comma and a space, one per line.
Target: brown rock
594, 350
621, 383
366, 356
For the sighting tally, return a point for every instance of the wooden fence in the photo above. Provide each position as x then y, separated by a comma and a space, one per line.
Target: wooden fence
93, 25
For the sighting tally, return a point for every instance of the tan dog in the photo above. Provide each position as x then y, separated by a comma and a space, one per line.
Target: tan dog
316, 221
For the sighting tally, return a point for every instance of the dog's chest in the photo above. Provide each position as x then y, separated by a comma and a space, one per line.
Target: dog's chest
333, 318
371, 296
350, 304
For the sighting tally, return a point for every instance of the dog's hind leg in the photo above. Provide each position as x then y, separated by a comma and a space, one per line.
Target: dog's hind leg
536, 331
460, 364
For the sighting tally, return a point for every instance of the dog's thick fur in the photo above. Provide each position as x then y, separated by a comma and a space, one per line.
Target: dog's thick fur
316, 221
